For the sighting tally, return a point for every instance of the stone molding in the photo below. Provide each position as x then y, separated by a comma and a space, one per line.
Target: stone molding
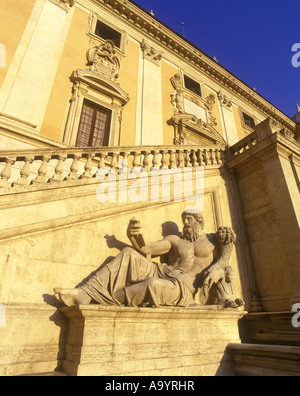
225, 101
150, 53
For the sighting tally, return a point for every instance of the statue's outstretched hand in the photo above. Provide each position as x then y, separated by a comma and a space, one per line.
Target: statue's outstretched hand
134, 228
213, 276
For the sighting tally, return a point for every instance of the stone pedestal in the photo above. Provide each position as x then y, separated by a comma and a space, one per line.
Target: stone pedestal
149, 341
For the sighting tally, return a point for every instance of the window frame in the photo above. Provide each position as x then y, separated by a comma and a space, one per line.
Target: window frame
95, 107
185, 75
109, 38
92, 31
242, 112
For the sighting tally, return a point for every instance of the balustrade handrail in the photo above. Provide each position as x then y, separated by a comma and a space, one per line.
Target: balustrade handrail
103, 149
94, 158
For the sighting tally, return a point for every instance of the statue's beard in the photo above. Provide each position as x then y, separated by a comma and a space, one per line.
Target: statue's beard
190, 234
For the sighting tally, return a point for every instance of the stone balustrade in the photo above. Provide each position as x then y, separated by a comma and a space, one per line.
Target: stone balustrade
41, 166
244, 145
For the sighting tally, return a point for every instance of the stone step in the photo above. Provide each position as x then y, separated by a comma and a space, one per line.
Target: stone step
265, 360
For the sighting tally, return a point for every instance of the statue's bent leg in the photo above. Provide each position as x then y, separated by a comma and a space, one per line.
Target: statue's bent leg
129, 267
153, 292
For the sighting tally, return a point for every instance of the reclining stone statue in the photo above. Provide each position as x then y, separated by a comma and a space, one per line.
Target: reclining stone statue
197, 262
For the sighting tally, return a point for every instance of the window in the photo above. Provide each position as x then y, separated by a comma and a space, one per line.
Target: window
108, 33
192, 85
93, 127
249, 121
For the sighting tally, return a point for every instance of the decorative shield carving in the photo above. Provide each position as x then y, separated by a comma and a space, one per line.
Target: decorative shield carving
103, 60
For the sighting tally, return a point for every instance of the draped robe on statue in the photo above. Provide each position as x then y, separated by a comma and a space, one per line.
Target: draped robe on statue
145, 283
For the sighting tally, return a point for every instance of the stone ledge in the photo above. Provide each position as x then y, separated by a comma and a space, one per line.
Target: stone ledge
273, 328
96, 310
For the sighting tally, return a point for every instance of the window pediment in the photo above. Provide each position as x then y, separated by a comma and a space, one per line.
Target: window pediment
190, 130
101, 84
103, 71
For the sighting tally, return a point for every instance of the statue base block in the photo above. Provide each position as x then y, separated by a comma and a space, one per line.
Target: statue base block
113, 341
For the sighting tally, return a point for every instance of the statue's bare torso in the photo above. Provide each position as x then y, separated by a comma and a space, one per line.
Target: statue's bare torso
190, 258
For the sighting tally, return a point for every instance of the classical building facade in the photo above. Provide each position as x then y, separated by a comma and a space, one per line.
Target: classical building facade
89, 85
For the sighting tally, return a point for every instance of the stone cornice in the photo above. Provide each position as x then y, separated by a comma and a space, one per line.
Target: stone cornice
158, 31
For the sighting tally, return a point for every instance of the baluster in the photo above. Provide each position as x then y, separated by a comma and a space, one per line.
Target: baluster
74, 167
6, 173
124, 163
172, 159
180, 159
205, 156
136, 161
200, 157
155, 162
114, 161
42, 172
101, 164
187, 158
146, 161
213, 156
101, 172
58, 177
88, 167
194, 159
164, 160
25, 172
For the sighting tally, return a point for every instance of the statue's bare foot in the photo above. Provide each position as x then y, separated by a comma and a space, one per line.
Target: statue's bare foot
71, 297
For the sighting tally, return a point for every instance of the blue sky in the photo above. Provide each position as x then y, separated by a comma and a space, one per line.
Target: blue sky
252, 39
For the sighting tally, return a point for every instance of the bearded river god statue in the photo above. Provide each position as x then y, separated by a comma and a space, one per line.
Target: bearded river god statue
196, 274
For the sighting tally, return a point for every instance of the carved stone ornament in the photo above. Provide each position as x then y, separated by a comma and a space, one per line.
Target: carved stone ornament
103, 60
177, 95
210, 101
65, 4
224, 100
188, 129
151, 53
